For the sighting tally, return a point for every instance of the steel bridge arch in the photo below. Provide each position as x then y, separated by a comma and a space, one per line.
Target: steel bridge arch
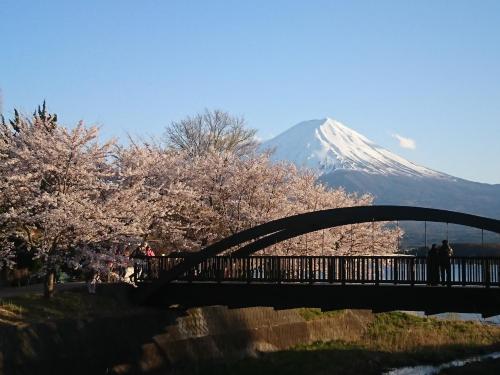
275, 231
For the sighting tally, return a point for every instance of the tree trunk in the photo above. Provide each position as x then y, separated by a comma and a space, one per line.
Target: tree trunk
49, 283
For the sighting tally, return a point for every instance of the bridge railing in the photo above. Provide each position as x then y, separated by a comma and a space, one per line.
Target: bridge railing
406, 270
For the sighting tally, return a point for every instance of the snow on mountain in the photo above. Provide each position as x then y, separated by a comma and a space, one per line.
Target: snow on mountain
327, 145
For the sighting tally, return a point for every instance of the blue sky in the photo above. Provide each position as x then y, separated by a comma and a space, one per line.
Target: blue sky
426, 70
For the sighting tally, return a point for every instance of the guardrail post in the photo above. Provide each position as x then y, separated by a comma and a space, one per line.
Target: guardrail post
301, 273
218, 269
278, 269
248, 270
412, 271
497, 283
311, 275
395, 270
464, 271
377, 276
342, 270
330, 270
486, 265
364, 273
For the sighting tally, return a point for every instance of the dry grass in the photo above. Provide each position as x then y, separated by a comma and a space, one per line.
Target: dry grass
10, 313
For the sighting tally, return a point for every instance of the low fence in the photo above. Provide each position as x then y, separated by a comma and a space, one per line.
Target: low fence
406, 270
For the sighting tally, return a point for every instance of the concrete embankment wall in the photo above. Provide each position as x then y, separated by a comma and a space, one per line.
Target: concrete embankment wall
155, 341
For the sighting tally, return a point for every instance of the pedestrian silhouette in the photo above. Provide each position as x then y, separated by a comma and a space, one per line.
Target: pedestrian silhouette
444, 253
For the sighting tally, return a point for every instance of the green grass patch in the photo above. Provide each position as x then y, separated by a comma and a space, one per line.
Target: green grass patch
315, 313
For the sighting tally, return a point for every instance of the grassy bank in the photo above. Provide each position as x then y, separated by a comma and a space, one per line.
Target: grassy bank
390, 340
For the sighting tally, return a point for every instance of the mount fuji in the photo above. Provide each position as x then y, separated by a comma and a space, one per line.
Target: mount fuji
328, 145
345, 158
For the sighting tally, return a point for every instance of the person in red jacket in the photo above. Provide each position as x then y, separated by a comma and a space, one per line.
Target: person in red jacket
148, 250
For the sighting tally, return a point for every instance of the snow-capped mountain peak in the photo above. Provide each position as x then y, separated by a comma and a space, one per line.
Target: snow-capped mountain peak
327, 145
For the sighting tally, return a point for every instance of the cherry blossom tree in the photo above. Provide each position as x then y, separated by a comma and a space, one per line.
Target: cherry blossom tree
56, 183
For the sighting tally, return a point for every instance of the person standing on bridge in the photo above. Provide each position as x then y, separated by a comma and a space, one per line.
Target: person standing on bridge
445, 253
433, 265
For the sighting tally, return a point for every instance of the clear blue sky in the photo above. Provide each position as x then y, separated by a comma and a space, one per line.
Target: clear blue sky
427, 70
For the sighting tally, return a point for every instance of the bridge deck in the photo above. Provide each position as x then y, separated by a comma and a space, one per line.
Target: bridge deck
344, 270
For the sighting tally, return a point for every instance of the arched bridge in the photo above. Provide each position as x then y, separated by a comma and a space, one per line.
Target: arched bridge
379, 283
